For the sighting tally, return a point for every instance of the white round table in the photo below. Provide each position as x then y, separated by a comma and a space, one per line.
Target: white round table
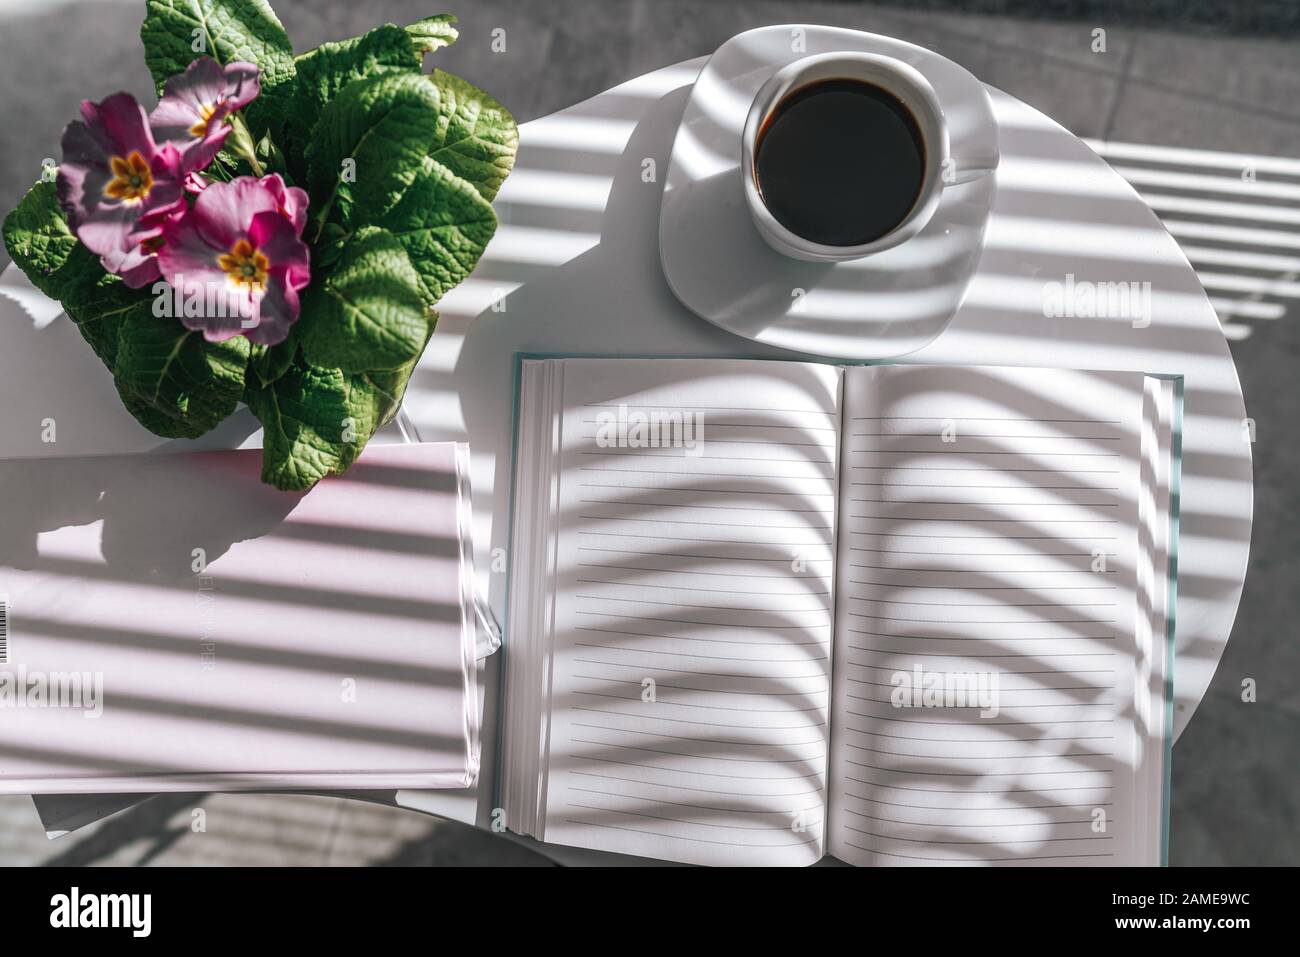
574, 270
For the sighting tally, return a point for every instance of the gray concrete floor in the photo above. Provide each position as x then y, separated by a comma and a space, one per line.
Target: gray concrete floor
1158, 83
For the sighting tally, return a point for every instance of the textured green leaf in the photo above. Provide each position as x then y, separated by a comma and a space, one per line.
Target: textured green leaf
443, 224
97, 304
38, 238
268, 363
173, 381
315, 422
390, 386
383, 126
369, 312
226, 30
477, 137
322, 73
433, 33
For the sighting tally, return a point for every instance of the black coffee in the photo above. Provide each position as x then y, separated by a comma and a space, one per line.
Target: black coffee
840, 162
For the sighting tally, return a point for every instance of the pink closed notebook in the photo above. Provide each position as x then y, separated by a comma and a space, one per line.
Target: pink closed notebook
169, 623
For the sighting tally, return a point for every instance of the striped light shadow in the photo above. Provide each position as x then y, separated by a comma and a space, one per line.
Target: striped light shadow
1236, 217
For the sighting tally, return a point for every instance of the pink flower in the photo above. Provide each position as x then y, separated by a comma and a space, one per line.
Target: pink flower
117, 186
240, 247
195, 104
139, 265
292, 202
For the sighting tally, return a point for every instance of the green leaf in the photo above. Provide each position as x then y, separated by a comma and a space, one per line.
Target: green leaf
443, 224
268, 363
97, 302
226, 30
322, 73
383, 127
477, 137
433, 33
229, 164
272, 158
390, 386
173, 381
39, 240
315, 422
369, 312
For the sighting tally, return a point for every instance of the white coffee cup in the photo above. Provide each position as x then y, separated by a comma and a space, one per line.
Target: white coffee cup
896, 77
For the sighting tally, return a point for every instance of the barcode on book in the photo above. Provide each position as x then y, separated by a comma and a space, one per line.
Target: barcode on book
4, 629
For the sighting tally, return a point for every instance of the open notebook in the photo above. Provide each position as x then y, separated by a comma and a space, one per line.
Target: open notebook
173, 624
764, 611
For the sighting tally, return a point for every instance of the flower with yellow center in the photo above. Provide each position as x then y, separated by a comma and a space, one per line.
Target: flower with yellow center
206, 112
245, 265
131, 180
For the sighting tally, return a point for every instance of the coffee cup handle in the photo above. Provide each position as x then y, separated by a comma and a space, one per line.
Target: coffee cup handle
957, 170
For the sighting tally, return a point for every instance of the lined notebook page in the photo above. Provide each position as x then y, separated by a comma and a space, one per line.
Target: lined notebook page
988, 530
693, 616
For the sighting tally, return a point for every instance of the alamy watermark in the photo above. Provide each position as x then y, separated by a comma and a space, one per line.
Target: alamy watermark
919, 688
1084, 299
133, 912
625, 427
22, 688
204, 300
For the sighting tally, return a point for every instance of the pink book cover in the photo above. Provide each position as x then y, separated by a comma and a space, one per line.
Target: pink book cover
169, 623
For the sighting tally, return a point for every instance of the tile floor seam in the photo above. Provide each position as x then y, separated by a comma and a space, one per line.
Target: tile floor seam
1120, 88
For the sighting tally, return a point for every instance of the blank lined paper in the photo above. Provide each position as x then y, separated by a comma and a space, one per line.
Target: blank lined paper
693, 611
986, 548
764, 611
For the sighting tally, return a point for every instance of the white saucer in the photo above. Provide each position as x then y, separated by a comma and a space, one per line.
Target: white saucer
884, 305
